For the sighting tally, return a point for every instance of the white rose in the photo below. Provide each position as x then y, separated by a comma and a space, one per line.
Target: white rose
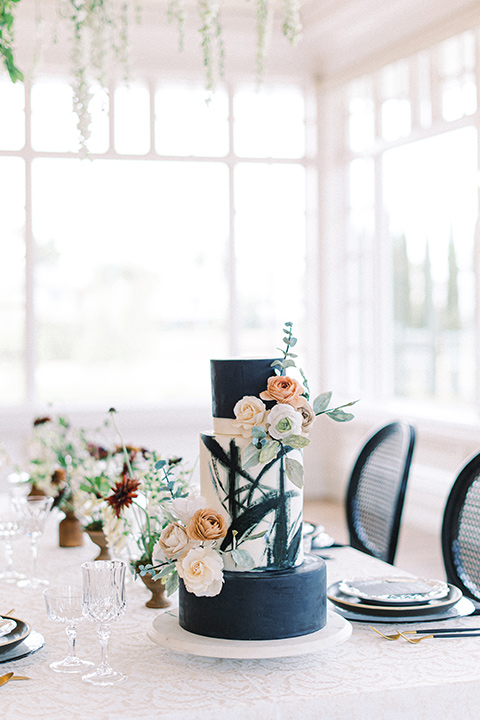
249, 411
202, 571
173, 540
185, 508
284, 420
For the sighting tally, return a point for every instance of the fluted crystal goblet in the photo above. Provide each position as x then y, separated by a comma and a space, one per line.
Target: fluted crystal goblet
103, 602
9, 529
64, 604
33, 513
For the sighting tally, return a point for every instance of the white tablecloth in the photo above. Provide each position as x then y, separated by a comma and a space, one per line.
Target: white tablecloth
366, 677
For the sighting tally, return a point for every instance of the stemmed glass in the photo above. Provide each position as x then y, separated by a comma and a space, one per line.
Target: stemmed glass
103, 602
33, 512
9, 528
64, 604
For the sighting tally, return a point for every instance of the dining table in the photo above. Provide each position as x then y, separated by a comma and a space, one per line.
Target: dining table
364, 677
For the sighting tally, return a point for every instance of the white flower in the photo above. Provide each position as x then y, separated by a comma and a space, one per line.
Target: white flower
202, 571
173, 541
185, 508
249, 411
115, 529
284, 420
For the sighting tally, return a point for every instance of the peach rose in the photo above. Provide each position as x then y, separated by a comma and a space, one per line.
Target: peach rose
283, 389
173, 540
201, 569
249, 411
206, 524
308, 416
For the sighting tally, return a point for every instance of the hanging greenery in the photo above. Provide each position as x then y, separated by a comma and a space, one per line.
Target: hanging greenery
6, 38
99, 28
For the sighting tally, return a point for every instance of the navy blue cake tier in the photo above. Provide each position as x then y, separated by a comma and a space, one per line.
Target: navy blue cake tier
260, 605
233, 379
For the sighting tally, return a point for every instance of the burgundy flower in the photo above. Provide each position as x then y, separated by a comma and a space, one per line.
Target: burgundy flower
41, 421
123, 494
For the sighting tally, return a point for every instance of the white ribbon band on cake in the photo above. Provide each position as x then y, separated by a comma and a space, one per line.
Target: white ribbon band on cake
226, 426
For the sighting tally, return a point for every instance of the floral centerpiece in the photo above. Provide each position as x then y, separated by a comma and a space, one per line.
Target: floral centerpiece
194, 542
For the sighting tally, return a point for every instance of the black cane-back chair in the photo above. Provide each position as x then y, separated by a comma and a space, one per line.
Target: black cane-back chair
376, 490
461, 531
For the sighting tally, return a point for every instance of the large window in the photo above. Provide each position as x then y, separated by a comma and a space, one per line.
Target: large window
407, 263
182, 237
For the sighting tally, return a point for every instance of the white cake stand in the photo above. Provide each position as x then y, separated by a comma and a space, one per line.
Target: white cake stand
166, 631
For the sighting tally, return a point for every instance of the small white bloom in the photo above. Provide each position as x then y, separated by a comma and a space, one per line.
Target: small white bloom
185, 508
173, 540
250, 411
202, 571
284, 420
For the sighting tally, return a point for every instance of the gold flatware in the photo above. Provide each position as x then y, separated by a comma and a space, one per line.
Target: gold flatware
20, 677
9, 613
5, 678
395, 636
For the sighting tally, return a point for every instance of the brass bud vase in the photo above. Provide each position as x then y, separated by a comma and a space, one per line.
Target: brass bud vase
157, 588
98, 537
70, 531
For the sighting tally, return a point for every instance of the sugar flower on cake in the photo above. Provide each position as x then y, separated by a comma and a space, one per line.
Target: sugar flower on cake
201, 569
282, 421
285, 426
250, 411
284, 389
185, 507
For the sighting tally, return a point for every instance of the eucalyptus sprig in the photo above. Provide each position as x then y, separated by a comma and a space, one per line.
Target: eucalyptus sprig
7, 38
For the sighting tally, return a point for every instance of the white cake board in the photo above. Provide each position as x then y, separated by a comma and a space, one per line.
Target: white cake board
166, 631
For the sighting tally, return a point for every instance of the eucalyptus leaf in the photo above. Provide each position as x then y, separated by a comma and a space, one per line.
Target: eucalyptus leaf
277, 363
296, 441
340, 415
269, 451
294, 471
243, 558
288, 363
160, 464
288, 324
251, 456
171, 583
320, 403
258, 432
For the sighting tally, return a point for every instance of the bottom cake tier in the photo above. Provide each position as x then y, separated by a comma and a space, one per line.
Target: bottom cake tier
266, 605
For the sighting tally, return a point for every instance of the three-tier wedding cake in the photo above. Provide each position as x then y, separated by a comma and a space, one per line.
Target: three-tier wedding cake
249, 472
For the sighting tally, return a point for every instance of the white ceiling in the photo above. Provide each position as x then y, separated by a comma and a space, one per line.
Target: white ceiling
341, 38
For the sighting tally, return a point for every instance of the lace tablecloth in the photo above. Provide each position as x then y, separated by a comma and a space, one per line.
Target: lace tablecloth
366, 677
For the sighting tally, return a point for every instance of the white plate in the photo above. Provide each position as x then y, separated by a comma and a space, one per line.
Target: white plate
463, 608
166, 631
395, 590
7, 625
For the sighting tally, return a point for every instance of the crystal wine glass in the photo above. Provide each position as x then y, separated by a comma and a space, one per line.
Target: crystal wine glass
103, 602
33, 512
64, 604
9, 528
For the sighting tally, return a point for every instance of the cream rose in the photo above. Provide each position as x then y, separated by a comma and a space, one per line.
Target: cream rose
185, 508
249, 411
308, 416
201, 569
207, 525
283, 389
284, 420
173, 540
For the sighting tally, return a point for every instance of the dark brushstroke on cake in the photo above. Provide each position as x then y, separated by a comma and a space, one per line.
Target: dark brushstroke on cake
281, 551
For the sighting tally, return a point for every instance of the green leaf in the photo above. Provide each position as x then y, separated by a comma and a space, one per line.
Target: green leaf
320, 403
288, 324
251, 456
296, 441
288, 363
171, 583
294, 471
277, 363
160, 464
243, 558
269, 451
258, 432
340, 416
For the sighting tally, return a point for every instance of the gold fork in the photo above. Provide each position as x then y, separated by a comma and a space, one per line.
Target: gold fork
415, 640
395, 636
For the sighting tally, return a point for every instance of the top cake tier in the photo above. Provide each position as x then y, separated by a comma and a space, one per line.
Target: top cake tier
235, 378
